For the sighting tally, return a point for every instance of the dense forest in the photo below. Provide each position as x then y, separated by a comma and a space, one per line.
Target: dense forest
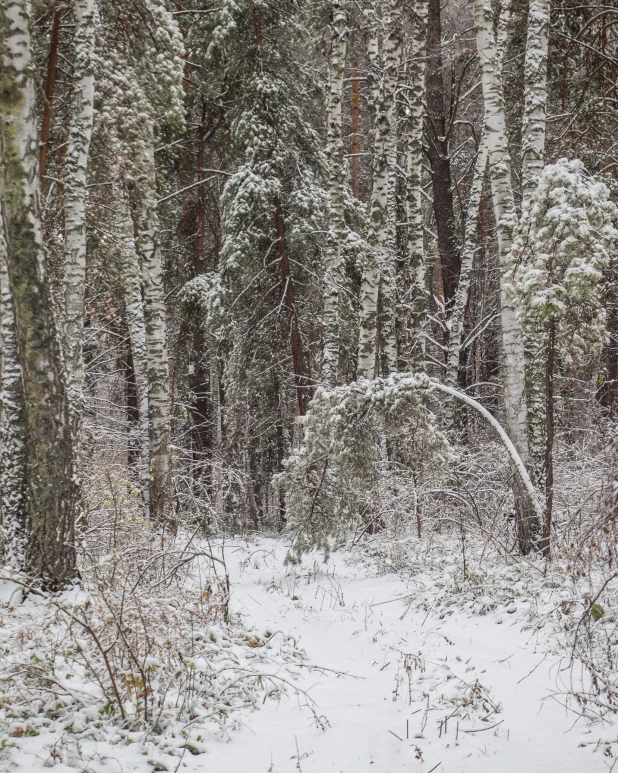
317, 276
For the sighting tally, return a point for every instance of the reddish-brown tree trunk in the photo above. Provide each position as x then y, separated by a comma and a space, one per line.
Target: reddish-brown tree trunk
302, 376
438, 151
50, 84
301, 371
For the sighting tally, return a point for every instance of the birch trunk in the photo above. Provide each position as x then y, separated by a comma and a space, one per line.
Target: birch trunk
533, 161
471, 231
12, 430
506, 219
136, 323
51, 487
467, 261
146, 225
504, 211
378, 223
336, 182
535, 97
75, 204
414, 192
388, 285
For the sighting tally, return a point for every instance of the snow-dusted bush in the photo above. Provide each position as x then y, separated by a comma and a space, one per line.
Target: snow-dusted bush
563, 243
142, 648
360, 440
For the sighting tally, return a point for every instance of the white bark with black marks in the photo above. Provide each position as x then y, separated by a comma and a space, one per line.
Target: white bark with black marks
378, 218
336, 183
75, 178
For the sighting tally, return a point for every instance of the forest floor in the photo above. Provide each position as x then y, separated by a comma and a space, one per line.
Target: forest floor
378, 719
385, 686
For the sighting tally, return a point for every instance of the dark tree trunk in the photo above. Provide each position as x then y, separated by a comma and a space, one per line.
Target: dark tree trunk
301, 371
132, 402
608, 388
439, 159
302, 377
549, 440
50, 84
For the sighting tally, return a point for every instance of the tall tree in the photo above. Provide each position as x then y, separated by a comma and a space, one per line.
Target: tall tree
413, 128
336, 184
76, 167
439, 156
378, 255
51, 483
506, 219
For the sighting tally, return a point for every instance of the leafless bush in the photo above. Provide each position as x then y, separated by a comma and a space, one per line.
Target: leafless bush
144, 642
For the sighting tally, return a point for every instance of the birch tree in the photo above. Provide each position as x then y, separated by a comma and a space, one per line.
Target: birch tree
471, 227
142, 194
76, 168
467, 261
506, 220
154, 86
51, 485
336, 183
413, 129
368, 364
533, 161
13, 505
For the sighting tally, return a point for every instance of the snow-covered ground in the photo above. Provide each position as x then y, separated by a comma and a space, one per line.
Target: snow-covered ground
393, 688
338, 613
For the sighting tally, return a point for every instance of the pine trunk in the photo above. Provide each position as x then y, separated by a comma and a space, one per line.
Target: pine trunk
136, 324
439, 157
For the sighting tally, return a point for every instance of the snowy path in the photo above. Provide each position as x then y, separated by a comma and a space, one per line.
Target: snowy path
486, 674
332, 615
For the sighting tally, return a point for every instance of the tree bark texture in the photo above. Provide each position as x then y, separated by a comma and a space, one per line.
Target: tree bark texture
439, 157
414, 192
336, 183
51, 485
368, 364
76, 169
13, 513
146, 225
506, 219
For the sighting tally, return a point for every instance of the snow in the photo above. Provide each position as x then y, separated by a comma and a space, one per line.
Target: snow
370, 713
